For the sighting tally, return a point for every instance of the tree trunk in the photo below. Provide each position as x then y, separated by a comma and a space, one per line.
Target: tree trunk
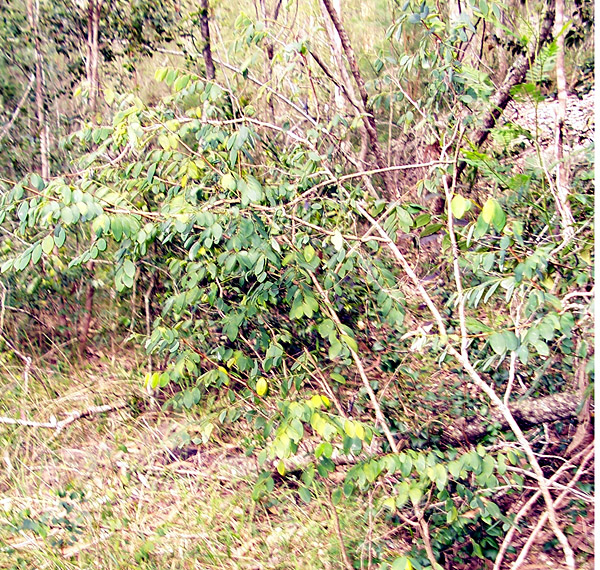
516, 74
91, 64
368, 119
33, 12
205, 31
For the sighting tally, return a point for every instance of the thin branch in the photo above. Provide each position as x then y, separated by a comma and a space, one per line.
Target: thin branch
17, 110
360, 367
424, 531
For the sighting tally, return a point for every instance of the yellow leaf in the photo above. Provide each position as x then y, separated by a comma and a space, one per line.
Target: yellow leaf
261, 387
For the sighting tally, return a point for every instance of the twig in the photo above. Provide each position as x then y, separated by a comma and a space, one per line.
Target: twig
324, 384
544, 518
513, 355
424, 531
2, 306
17, 110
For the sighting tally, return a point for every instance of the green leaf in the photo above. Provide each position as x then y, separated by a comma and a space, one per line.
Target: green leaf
251, 191
415, 495
404, 219
402, 563
492, 213
116, 225
511, 340
488, 211
305, 494
460, 206
59, 236
422, 220
228, 182
326, 327
36, 253
430, 230
129, 268
338, 378
309, 253
36, 181
336, 496
476, 326
498, 343
48, 244
181, 82
493, 509
350, 342
161, 73
67, 215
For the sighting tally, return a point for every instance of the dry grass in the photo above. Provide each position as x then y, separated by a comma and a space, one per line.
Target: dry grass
107, 493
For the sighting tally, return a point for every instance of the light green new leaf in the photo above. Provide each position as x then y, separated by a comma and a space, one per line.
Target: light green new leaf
309, 253
48, 244
261, 387
489, 210
337, 240
498, 343
460, 206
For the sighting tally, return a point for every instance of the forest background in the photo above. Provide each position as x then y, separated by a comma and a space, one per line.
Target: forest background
296, 284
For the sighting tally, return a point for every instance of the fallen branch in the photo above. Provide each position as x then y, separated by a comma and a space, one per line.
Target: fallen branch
53, 423
529, 412
462, 357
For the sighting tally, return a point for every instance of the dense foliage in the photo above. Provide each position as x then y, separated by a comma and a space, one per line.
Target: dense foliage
342, 309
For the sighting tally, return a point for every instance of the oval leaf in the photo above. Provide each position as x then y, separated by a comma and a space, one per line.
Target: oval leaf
261, 387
